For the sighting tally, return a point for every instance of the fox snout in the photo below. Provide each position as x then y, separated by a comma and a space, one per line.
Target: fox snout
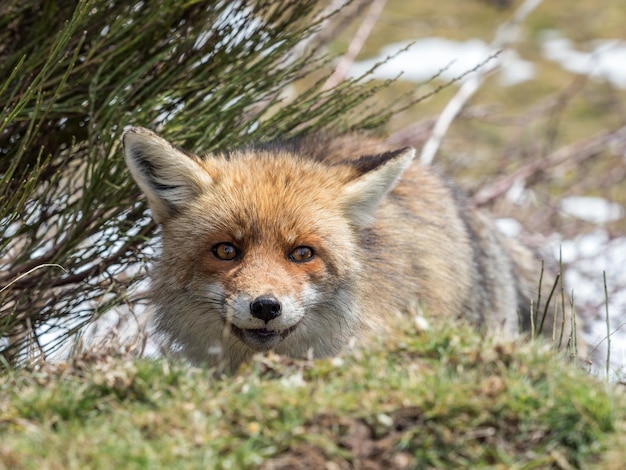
266, 308
264, 322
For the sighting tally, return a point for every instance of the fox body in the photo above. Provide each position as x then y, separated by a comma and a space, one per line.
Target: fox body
299, 247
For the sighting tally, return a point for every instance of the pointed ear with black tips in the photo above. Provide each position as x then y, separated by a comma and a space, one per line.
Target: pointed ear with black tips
168, 177
378, 175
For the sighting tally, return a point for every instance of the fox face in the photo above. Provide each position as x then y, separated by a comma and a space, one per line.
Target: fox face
261, 247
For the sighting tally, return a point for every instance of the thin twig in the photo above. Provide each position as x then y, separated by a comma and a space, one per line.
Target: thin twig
539, 300
545, 310
532, 321
356, 45
21, 276
608, 327
582, 150
562, 295
573, 330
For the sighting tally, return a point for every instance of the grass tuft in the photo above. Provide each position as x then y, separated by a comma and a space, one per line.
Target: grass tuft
443, 398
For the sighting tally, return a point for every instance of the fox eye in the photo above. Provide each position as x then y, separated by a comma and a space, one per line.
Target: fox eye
301, 254
225, 251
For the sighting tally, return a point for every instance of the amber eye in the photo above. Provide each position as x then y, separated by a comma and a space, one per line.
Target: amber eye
225, 251
301, 254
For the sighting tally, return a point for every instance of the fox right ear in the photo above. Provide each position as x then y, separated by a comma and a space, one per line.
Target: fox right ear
168, 177
378, 174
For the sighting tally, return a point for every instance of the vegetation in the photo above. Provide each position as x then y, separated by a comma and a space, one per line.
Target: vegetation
441, 398
205, 74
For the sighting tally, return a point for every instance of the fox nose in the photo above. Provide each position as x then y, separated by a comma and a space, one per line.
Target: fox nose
265, 307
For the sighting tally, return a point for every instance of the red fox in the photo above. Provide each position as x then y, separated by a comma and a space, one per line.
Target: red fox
300, 246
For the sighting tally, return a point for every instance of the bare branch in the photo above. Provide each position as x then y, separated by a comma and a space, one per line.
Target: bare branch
376, 8
579, 151
467, 90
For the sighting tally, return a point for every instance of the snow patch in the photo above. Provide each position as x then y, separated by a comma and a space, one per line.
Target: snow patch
427, 57
596, 210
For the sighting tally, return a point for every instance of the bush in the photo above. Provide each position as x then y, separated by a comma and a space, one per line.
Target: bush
205, 74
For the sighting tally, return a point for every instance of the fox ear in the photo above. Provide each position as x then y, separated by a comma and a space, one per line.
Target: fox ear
378, 175
168, 177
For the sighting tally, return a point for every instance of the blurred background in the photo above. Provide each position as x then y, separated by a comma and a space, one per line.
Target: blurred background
540, 134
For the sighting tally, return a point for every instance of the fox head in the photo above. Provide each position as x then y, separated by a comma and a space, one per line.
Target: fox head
261, 247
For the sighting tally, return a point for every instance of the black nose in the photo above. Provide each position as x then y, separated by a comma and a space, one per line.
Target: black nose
265, 307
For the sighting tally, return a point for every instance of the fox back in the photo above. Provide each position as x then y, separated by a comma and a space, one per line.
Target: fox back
300, 247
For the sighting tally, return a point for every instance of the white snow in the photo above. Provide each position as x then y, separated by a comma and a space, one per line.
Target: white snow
596, 210
424, 58
427, 57
606, 58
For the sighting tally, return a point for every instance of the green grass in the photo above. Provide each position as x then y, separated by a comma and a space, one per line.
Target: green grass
435, 399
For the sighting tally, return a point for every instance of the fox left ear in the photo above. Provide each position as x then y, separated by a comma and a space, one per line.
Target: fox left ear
168, 177
378, 175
